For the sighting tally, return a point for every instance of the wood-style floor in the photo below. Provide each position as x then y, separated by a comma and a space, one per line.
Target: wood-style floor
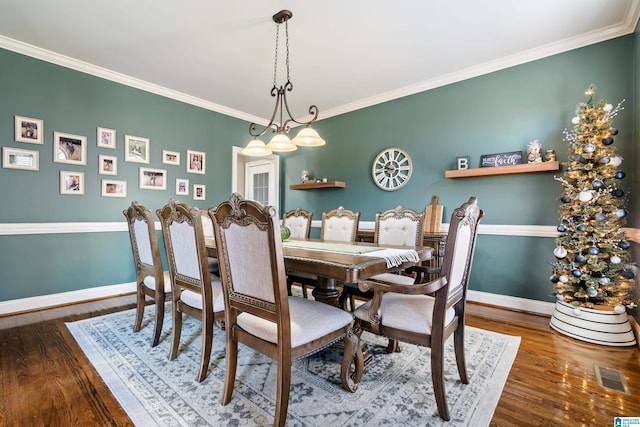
45, 379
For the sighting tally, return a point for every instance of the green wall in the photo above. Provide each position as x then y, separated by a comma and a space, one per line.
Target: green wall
498, 112
494, 113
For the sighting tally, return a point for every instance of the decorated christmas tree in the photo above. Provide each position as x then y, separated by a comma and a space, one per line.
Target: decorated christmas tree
593, 264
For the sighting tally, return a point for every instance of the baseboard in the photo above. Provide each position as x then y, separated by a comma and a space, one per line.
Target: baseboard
512, 303
44, 301
636, 329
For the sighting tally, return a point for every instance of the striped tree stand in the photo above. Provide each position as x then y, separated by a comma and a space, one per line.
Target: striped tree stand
599, 326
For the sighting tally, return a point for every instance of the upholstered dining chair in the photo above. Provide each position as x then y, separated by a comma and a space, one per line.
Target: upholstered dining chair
399, 226
340, 225
298, 221
151, 280
260, 313
427, 313
196, 292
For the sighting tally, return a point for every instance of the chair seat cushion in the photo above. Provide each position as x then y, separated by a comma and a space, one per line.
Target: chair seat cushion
411, 313
310, 320
393, 278
194, 299
150, 282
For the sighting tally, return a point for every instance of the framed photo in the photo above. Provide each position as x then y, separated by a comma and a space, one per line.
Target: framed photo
72, 182
29, 130
153, 179
182, 187
170, 157
199, 192
106, 138
15, 158
68, 148
196, 161
114, 188
136, 149
107, 165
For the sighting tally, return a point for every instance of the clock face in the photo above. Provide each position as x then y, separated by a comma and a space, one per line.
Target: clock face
391, 169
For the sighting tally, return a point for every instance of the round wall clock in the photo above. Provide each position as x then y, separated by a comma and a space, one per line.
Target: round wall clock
391, 169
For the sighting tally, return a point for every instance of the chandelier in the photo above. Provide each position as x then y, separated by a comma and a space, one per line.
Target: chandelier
307, 137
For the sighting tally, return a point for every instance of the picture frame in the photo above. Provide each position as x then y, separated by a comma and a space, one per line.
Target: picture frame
106, 138
107, 165
72, 182
170, 157
69, 148
182, 187
199, 192
153, 179
114, 188
16, 158
29, 130
196, 162
136, 149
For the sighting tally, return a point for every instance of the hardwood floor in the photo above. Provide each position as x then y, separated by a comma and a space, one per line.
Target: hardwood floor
46, 380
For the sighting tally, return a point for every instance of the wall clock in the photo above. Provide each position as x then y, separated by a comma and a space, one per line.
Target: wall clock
391, 169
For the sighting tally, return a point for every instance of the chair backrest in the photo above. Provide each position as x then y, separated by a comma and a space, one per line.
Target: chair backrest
144, 242
340, 225
251, 261
399, 226
298, 221
459, 248
207, 225
183, 235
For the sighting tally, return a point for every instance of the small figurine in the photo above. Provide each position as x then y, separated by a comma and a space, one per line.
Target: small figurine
534, 154
305, 176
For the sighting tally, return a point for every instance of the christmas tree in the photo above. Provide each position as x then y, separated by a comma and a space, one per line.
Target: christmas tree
593, 263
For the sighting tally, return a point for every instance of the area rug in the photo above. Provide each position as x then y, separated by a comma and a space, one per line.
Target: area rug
395, 390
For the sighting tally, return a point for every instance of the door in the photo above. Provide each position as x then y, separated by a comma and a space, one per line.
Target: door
261, 182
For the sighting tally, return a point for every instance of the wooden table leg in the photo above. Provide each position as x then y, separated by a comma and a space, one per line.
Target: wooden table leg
326, 291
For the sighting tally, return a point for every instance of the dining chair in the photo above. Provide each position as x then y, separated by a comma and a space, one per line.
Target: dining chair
196, 292
298, 221
207, 228
151, 280
427, 313
399, 226
260, 313
340, 225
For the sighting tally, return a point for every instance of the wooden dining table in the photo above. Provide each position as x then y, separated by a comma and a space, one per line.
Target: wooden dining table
338, 261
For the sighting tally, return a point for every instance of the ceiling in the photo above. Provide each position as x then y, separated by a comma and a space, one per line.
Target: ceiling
344, 55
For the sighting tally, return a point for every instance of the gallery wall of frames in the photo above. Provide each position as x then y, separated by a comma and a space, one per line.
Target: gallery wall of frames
70, 149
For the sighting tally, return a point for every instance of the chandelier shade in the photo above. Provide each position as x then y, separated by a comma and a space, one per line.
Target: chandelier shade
307, 137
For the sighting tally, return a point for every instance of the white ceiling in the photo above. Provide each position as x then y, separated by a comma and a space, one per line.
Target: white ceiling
344, 55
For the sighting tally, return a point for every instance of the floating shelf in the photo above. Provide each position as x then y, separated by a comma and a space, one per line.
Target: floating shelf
312, 185
504, 170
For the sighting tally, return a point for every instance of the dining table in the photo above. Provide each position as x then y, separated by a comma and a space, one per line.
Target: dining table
344, 262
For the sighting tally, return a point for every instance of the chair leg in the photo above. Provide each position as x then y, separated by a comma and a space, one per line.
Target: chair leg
231, 356
207, 340
458, 342
157, 330
175, 333
140, 302
282, 390
437, 376
352, 354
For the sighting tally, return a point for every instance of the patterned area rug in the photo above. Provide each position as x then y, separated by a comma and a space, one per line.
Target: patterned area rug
395, 390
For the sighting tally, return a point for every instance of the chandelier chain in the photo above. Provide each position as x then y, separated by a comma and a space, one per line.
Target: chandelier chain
275, 64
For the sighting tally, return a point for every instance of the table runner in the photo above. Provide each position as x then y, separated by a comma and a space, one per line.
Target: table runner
393, 256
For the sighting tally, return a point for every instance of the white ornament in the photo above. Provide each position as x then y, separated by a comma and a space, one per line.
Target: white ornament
608, 107
616, 259
563, 278
619, 309
560, 297
616, 161
575, 120
577, 311
560, 252
585, 196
